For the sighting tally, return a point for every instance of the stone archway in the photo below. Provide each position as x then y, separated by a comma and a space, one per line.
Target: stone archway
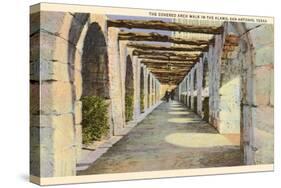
129, 90
95, 63
205, 90
96, 124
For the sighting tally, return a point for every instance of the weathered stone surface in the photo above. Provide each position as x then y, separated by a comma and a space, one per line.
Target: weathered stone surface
53, 48
56, 98
78, 84
34, 98
264, 55
35, 51
41, 144
230, 107
264, 149
34, 23
118, 114
64, 145
262, 35
78, 112
262, 85
78, 141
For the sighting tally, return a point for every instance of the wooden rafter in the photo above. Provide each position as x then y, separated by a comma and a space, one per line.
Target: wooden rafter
173, 67
171, 58
189, 48
140, 36
161, 25
168, 54
165, 70
156, 61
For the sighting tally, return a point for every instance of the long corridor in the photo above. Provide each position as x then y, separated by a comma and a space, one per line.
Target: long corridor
171, 137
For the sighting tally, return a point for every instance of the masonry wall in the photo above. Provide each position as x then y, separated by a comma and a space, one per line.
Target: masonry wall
56, 116
240, 88
262, 105
60, 73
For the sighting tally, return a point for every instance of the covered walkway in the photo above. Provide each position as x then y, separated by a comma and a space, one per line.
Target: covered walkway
171, 137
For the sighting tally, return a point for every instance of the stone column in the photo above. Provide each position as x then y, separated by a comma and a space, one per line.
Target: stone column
145, 87
136, 67
123, 59
55, 77
115, 80
199, 86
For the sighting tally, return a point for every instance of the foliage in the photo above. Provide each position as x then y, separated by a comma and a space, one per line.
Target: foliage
95, 123
129, 108
142, 102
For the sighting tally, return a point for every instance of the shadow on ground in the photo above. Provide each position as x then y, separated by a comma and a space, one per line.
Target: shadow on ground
171, 137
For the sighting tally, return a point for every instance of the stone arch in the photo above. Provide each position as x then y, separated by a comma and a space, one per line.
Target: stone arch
205, 93
142, 96
195, 80
95, 79
194, 105
60, 33
256, 112
95, 63
205, 73
129, 89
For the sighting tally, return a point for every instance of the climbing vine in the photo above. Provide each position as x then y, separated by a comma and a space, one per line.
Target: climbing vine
142, 102
129, 108
95, 123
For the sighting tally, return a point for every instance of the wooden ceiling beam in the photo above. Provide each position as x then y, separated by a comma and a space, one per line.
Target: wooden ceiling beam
168, 54
167, 26
171, 58
172, 62
189, 48
156, 37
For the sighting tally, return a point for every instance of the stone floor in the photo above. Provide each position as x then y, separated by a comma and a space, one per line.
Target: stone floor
171, 137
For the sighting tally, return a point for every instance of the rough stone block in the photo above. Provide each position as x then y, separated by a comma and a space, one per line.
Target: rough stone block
262, 85
264, 118
78, 141
78, 84
55, 48
264, 143
64, 145
78, 112
56, 98
53, 21
262, 35
35, 48
35, 98
78, 61
65, 162
41, 145
34, 23
264, 55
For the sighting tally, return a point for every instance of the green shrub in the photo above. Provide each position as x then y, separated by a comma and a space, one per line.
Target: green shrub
129, 108
142, 102
94, 118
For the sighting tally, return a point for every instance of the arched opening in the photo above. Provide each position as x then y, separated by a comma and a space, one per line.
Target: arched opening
195, 88
129, 90
95, 86
142, 102
205, 93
